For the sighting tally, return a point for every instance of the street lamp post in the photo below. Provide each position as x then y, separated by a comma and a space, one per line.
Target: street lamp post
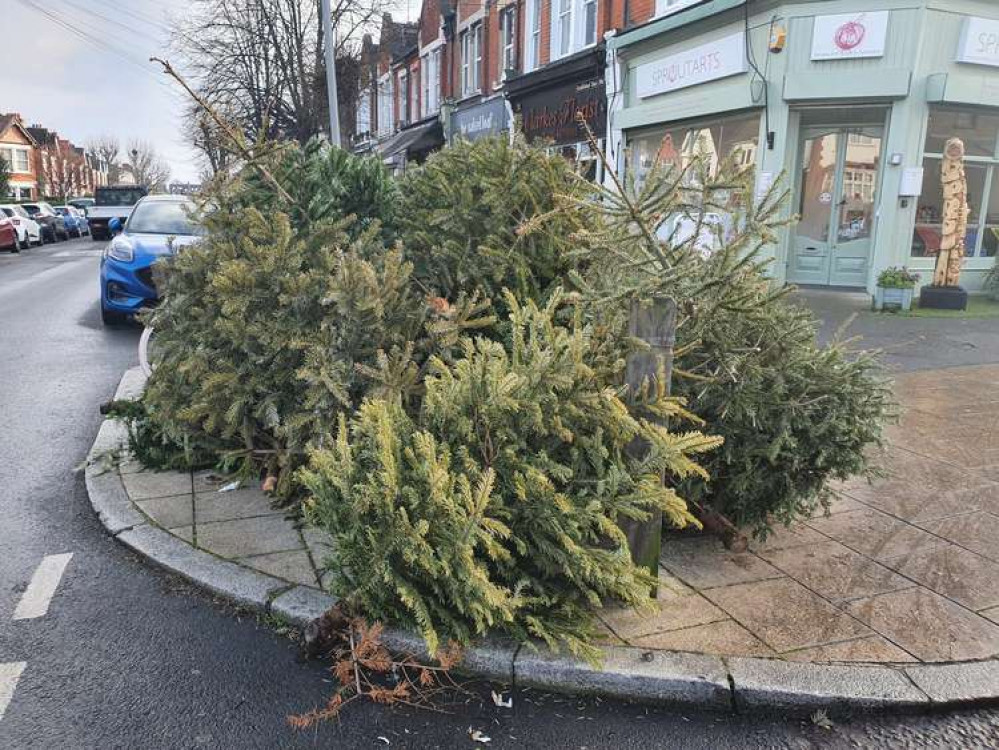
327, 22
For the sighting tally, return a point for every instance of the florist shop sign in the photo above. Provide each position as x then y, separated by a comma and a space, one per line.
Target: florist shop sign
707, 62
551, 113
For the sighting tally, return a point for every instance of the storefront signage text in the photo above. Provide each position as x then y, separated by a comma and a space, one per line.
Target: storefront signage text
552, 113
707, 62
979, 43
850, 35
479, 121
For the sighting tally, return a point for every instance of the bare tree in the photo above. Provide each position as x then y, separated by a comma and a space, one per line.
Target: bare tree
146, 166
261, 61
107, 149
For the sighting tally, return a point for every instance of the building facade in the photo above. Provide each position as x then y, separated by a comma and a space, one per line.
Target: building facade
848, 101
17, 149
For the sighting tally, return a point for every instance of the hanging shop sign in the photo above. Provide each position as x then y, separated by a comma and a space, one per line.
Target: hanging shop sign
552, 113
850, 35
706, 62
979, 43
481, 120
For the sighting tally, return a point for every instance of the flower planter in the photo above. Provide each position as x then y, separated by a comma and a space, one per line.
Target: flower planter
892, 298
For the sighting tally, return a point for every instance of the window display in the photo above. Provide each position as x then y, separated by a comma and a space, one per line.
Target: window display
980, 133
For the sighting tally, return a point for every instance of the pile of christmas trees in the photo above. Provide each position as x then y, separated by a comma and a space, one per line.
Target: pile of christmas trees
434, 369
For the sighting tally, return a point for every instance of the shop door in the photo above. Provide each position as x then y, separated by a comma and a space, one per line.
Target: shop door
837, 197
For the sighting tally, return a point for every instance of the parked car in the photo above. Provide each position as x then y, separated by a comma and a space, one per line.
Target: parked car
75, 221
53, 225
81, 203
112, 201
158, 226
8, 235
29, 231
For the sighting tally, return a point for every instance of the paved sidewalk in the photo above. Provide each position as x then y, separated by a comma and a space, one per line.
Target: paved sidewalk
904, 570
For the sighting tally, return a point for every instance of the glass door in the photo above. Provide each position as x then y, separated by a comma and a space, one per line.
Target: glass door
837, 199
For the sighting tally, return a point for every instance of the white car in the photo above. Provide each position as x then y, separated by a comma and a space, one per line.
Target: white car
29, 231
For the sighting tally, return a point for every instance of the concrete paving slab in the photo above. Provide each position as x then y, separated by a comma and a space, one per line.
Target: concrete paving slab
835, 572
785, 615
873, 533
229, 506
771, 683
957, 683
145, 485
978, 532
676, 606
724, 638
246, 587
185, 533
702, 562
785, 537
631, 673
873, 650
953, 572
293, 567
169, 512
928, 626
249, 536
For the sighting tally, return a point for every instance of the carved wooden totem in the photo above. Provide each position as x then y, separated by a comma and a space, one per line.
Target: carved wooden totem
955, 215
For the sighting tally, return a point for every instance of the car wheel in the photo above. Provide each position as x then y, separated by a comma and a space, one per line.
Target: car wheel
23, 245
112, 317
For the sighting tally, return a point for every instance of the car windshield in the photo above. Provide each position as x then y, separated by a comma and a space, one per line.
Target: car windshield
32, 209
118, 196
162, 217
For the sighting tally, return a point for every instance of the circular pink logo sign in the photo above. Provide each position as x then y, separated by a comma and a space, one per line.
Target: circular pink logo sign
850, 35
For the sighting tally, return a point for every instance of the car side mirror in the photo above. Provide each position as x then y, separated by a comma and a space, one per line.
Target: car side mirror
114, 225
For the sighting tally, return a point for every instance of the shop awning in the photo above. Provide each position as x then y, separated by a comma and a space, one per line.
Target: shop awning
422, 137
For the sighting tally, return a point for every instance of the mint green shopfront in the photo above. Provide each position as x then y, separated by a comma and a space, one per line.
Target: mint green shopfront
849, 101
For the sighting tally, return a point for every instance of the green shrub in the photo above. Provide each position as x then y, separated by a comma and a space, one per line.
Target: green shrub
897, 278
495, 507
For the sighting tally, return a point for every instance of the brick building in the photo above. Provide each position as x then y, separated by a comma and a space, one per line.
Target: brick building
17, 148
471, 68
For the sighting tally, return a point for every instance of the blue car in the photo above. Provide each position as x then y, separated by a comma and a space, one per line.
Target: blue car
76, 222
158, 226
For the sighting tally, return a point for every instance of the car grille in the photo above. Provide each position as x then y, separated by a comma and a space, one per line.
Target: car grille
145, 275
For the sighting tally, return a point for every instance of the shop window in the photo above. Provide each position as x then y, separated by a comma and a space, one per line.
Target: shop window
978, 130
980, 133
735, 138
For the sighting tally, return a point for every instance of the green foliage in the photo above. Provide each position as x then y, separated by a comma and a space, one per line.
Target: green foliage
991, 283
494, 507
897, 277
463, 216
154, 449
794, 415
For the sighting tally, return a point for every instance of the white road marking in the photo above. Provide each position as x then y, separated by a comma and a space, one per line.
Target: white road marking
9, 675
36, 599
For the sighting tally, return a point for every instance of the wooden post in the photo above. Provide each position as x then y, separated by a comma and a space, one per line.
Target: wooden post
656, 325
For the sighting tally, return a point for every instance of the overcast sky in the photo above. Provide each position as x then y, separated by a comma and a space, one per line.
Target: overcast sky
73, 83
94, 78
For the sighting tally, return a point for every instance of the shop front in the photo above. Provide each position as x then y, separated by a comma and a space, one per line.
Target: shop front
412, 144
849, 110
479, 119
548, 104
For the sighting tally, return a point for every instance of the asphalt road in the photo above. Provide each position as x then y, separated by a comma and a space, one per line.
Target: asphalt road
128, 657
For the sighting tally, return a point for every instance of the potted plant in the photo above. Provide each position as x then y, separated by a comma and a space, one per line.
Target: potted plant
895, 287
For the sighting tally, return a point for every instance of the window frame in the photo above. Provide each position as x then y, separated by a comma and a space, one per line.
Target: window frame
403, 82
973, 257
669, 7
532, 35
508, 40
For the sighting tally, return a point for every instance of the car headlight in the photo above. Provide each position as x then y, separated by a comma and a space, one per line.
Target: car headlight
121, 249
